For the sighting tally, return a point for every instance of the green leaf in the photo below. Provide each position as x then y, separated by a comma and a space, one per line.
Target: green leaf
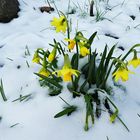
51, 81
100, 69
89, 110
2, 91
55, 92
67, 111
23, 98
84, 69
90, 40
74, 61
116, 114
14, 125
92, 68
89, 69
109, 57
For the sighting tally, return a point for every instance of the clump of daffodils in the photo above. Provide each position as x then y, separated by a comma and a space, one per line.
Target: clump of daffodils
93, 75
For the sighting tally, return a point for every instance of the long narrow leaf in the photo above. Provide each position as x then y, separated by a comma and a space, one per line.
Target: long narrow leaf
100, 69
51, 81
66, 111
90, 40
2, 91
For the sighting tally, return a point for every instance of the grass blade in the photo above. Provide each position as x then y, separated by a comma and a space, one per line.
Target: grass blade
2, 91
67, 111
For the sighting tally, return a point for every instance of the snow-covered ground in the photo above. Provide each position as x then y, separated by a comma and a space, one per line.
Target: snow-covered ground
35, 118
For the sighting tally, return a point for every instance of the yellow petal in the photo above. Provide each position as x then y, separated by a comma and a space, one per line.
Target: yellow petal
60, 24
122, 74
66, 73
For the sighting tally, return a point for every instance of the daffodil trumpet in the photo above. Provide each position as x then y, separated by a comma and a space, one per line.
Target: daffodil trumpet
66, 72
71, 43
84, 51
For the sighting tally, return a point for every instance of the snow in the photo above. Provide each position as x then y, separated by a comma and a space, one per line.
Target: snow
35, 117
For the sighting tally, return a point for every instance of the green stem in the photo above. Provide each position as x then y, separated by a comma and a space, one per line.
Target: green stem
86, 121
77, 51
61, 49
106, 78
137, 45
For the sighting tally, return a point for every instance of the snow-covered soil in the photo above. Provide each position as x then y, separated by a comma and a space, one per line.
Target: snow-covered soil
34, 118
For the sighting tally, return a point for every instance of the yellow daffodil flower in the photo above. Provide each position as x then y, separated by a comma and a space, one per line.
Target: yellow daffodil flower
72, 43
60, 24
84, 51
67, 71
36, 58
122, 73
44, 72
52, 55
135, 62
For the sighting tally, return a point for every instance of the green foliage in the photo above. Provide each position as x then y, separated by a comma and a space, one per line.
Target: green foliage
2, 91
92, 76
67, 111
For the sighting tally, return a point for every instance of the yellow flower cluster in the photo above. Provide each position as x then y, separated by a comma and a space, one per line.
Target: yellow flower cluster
61, 26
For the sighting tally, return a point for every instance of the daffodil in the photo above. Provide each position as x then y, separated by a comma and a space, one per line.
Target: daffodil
52, 55
66, 72
36, 58
60, 24
72, 43
122, 73
44, 72
84, 51
135, 62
